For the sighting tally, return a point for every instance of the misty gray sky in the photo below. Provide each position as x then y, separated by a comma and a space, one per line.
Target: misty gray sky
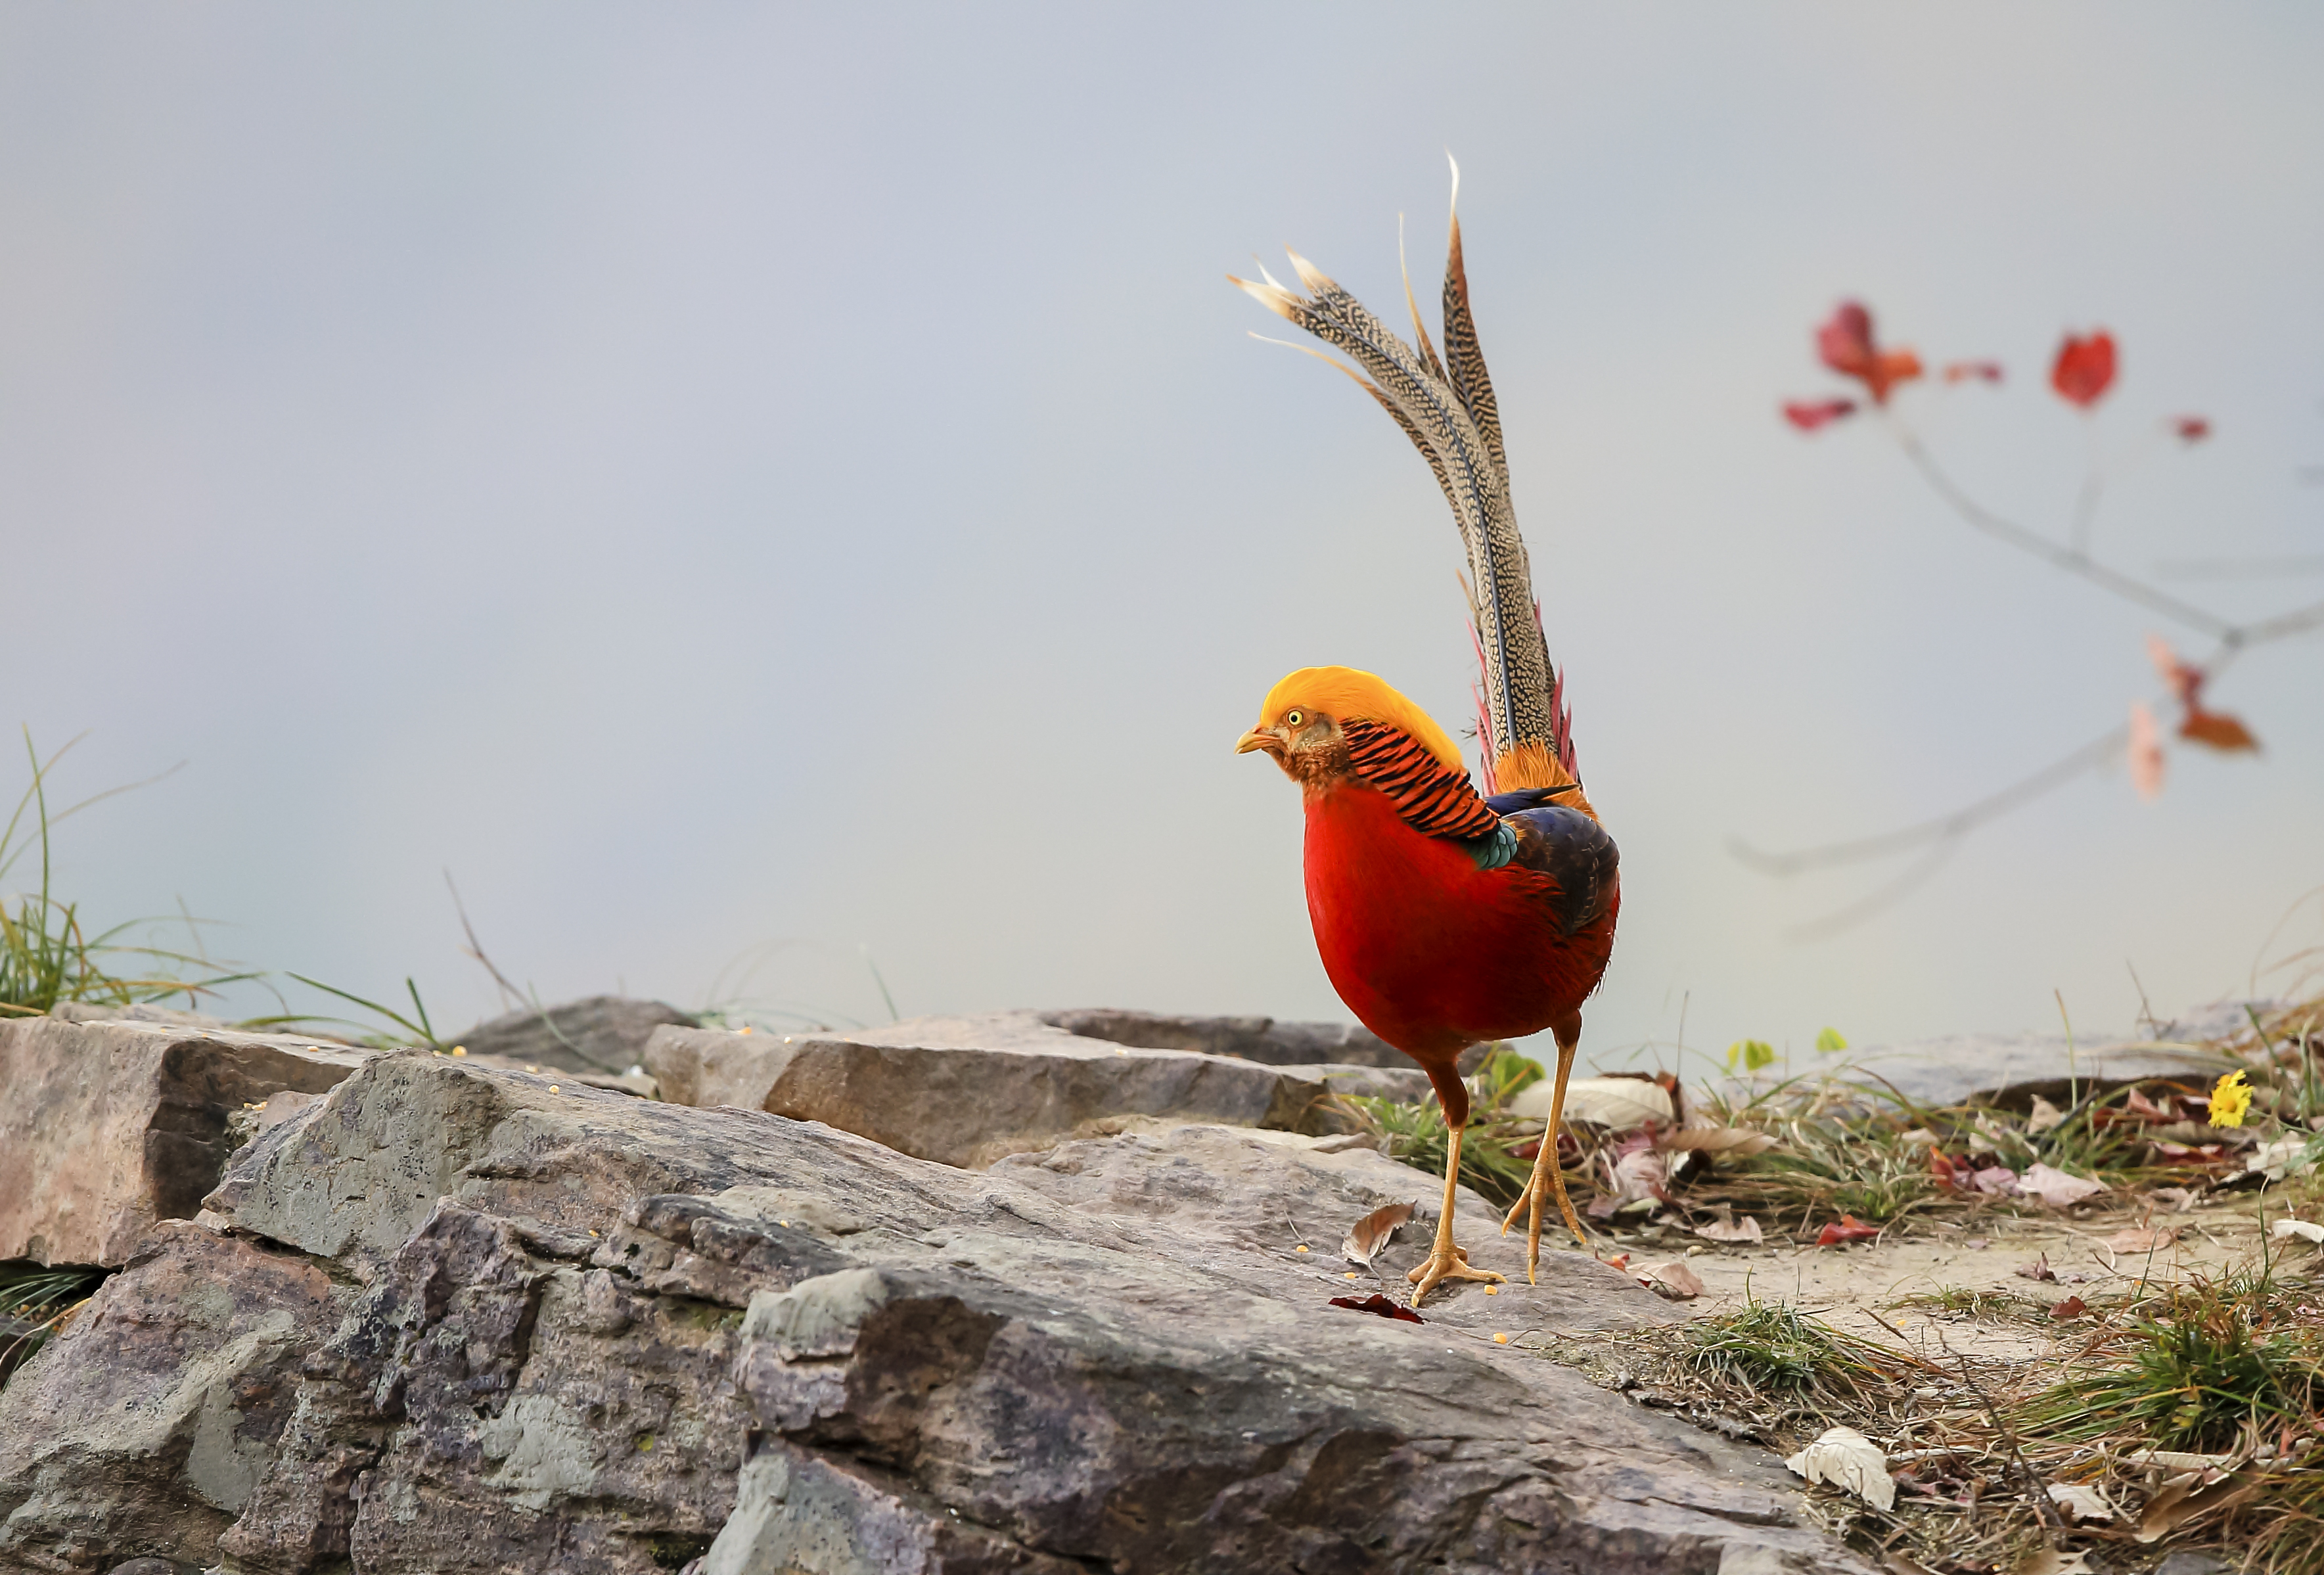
762, 487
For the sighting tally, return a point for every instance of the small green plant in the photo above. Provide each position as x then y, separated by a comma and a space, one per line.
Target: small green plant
1772, 1348
1830, 1041
2208, 1361
48, 955
1967, 1302
1750, 1055
1415, 1134
35, 1301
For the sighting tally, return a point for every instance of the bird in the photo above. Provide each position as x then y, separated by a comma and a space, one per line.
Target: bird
1446, 917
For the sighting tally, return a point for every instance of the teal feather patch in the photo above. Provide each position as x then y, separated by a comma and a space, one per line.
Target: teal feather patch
1493, 851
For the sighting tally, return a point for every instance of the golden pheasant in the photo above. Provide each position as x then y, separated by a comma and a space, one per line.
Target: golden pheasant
1446, 918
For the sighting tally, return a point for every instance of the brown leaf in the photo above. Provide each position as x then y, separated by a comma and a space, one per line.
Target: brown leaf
2182, 1499
2039, 1269
2067, 1311
1380, 1305
2055, 1187
2217, 729
2046, 1560
2081, 1501
2142, 1238
1847, 1227
1673, 1281
1375, 1230
1747, 1228
1739, 1141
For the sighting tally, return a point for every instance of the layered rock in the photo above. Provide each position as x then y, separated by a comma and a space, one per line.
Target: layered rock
108, 1127
580, 1331
603, 1033
967, 1092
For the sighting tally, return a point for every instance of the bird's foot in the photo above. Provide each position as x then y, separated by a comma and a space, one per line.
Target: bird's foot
1539, 1190
1451, 1262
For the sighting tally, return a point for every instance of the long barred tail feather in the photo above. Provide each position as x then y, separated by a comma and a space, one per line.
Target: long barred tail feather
1445, 405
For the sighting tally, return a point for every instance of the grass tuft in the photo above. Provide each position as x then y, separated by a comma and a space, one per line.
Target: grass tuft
35, 1301
1771, 1350
48, 955
2214, 1363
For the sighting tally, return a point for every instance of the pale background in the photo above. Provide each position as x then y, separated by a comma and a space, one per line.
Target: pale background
792, 483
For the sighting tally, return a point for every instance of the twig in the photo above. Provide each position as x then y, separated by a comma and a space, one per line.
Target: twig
2036, 1492
476, 948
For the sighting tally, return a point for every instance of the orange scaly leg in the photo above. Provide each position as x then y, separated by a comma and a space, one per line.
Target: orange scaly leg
1446, 1261
1548, 1175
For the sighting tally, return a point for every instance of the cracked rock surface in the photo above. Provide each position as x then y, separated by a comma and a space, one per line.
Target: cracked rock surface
457, 1319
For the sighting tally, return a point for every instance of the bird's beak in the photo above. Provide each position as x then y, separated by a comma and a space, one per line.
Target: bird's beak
1270, 739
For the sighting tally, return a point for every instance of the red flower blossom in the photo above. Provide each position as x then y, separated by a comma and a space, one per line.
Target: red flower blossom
2084, 369
1808, 416
2191, 429
1846, 344
1983, 371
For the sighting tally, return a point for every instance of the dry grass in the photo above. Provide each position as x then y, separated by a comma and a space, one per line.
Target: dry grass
2224, 1375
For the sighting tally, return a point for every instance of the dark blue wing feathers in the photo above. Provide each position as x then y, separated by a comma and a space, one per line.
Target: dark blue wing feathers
1573, 850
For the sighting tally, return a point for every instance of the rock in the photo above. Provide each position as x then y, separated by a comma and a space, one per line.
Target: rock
603, 1033
107, 1126
2190, 1561
2010, 1070
1261, 1039
970, 1104
140, 1430
641, 1334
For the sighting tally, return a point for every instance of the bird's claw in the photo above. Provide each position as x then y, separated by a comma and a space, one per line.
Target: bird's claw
1452, 1264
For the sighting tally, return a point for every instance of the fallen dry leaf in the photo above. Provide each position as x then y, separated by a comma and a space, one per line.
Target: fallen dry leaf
1741, 1142
1847, 1227
2044, 1117
1622, 1103
2048, 1561
2081, 1501
1673, 1281
1380, 1305
2055, 1187
1375, 1230
1639, 1174
2065, 1312
2284, 1230
2180, 1199
2179, 1459
2039, 1269
1847, 1458
2182, 1499
2142, 1238
1747, 1228
1620, 1260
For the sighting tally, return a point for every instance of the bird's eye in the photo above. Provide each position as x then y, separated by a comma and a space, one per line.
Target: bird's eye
1294, 719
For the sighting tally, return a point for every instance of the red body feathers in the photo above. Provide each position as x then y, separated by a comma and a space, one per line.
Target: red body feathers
1432, 953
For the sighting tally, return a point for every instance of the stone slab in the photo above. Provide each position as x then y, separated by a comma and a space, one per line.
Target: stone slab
106, 1127
605, 1034
2009, 1070
640, 1333
1261, 1039
141, 1429
971, 1103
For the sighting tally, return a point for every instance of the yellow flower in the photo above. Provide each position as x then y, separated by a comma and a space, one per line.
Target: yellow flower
2231, 1097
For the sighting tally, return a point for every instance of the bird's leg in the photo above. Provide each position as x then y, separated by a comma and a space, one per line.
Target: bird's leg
1446, 1261
1548, 1175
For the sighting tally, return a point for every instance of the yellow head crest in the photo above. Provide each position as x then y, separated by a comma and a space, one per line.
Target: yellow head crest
1353, 695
